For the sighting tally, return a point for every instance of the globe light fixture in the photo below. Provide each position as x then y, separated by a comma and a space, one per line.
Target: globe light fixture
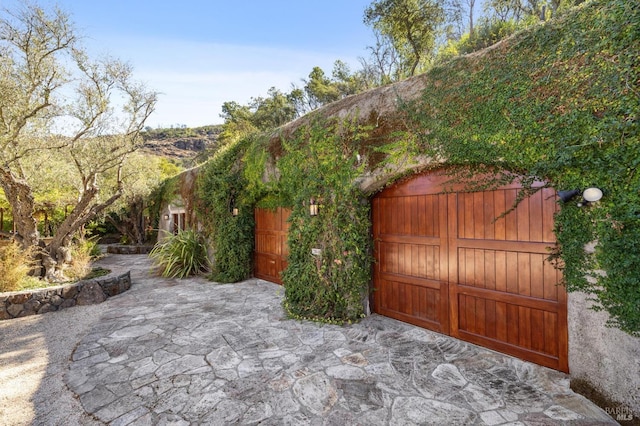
591, 195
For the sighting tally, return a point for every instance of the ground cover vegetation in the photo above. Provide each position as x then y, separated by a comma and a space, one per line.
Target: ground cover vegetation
556, 103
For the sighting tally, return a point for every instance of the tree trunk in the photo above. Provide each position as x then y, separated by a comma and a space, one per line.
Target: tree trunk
131, 224
58, 253
20, 197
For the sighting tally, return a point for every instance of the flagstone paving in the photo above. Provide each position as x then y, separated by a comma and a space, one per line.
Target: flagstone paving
194, 352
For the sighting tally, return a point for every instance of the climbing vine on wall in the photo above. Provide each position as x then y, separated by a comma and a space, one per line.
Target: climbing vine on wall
321, 163
561, 104
221, 187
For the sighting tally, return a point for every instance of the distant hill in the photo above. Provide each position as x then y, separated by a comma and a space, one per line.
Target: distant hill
180, 143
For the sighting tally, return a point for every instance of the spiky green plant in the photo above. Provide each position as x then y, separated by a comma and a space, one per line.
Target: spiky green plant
180, 255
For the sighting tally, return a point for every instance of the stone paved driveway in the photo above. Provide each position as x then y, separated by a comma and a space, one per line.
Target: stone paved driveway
195, 352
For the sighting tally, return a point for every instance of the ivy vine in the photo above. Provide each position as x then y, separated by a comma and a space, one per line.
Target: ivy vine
559, 104
221, 187
321, 163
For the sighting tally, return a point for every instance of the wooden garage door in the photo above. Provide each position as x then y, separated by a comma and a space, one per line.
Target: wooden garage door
448, 262
271, 250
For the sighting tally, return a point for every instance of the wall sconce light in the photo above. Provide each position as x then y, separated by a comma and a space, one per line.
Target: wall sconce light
166, 217
566, 196
589, 195
313, 207
234, 211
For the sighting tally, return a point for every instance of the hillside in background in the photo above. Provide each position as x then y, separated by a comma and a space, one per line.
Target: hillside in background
181, 143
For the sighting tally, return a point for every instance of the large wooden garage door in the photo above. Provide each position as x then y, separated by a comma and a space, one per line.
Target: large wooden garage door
271, 250
450, 263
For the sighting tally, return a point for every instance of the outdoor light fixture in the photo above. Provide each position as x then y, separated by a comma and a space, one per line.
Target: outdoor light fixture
166, 217
566, 196
589, 195
313, 207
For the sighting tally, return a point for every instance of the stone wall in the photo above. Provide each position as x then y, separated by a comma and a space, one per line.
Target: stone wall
606, 358
50, 299
128, 249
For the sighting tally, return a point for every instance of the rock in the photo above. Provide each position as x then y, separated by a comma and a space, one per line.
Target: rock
68, 303
90, 294
449, 373
4, 314
14, 310
69, 292
19, 299
316, 393
32, 306
47, 307
110, 286
415, 410
56, 300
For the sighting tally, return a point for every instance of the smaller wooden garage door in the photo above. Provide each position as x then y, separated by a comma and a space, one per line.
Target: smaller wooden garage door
271, 250
450, 263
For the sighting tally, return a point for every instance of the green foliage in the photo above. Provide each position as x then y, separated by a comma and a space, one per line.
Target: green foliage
180, 255
179, 132
160, 196
411, 26
558, 103
221, 187
486, 33
322, 163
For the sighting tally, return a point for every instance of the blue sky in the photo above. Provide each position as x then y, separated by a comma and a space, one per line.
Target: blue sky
199, 53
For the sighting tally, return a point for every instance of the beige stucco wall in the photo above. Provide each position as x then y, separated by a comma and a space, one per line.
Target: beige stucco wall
605, 357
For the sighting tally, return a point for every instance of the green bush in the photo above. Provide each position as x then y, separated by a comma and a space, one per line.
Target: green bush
180, 255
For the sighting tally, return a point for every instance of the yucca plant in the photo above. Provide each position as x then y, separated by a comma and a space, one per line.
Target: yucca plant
180, 255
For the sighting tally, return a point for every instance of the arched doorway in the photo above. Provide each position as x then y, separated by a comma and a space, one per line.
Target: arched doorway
448, 262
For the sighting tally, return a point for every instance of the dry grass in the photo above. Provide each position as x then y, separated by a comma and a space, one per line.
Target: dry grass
83, 253
15, 265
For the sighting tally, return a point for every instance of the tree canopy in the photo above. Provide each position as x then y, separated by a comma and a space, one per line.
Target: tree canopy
58, 102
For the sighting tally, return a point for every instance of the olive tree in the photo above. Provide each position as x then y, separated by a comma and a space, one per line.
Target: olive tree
55, 97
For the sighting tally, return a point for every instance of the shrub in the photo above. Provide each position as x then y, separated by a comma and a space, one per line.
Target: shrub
83, 252
15, 265
180, 255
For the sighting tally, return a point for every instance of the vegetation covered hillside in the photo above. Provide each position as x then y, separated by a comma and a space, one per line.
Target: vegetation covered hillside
558, 102
182, 144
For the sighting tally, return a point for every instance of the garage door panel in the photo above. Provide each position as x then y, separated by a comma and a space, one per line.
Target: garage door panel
267, 242
493, 322
416, 304
267, 267
271, 248
495, 285
527, 274
411, 216
414, 260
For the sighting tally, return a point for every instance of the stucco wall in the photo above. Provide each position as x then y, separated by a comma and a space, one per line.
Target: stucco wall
607, 358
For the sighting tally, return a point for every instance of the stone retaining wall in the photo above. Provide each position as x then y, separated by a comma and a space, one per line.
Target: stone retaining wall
124, 249
50, 299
